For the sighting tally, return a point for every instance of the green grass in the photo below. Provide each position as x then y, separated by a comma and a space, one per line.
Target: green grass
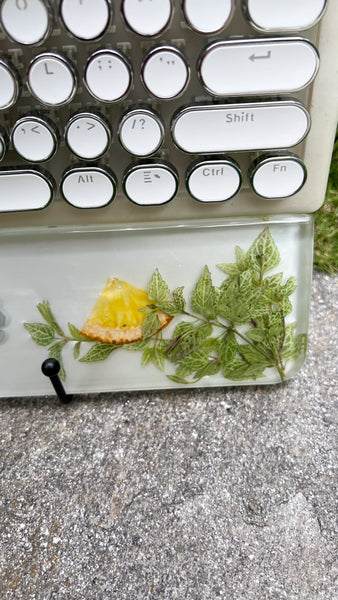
326, 223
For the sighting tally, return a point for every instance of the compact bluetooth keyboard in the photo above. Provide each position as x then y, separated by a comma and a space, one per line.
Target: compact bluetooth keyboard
157, 110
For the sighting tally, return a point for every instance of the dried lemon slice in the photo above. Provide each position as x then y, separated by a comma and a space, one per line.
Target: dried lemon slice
116, 317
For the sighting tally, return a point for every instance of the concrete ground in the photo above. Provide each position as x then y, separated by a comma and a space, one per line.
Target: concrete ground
197, 495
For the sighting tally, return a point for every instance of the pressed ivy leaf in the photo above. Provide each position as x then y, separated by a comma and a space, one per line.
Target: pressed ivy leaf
150, 325
196, 360
188, 342
55, 351
158, 358
289, 287
258, 335
147, 357
41, 333
158, 290
239, 302
238, 370
253, 356
98, 352
137, 346
212, 367
183, 327
227, 348
76, 350
230, 268
202, 300
286, 306
46, 313
170, 309
76, 334
177, 379
263, 255
178, 298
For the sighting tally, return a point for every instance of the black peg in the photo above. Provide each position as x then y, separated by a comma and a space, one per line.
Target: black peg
51, 367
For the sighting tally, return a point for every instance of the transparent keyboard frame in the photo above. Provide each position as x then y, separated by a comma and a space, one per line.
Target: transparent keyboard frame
320, 98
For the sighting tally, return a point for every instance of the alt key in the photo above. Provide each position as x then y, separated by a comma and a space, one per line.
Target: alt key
88, 187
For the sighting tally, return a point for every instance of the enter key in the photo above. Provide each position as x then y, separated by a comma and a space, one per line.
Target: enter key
258, 67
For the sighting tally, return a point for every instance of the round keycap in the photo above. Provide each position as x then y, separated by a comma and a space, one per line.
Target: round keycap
86, 20
9, 84
151, 184
141, 132
147, 17
108, 75
214, 181
51, 79
26, 21
88, 187
88, 135
207, 17
34, 138
165, 72
274, 177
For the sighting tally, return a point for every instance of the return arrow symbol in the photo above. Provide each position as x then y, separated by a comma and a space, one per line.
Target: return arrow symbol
253, 57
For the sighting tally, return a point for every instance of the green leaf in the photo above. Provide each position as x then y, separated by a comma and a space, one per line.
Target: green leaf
42, 334
76, 350
188, 342
158, 358
179, 300
137, 346
183, 327
46, 313
150, 325
177, 379
203, 297
55, 351
227, 348
253, 356
158, 290
147, 356
263, 254
195, 361
258, 335
289, 287
170, 309
238, 267
239, 370
77, 335
240, 300
98, 352
212, 367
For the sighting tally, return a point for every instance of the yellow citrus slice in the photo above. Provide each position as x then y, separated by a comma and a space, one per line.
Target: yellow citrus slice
116, 316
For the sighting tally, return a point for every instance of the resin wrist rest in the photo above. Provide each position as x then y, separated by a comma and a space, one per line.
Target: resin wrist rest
199, 304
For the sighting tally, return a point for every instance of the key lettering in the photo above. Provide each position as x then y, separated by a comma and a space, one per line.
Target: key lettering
242, 117
279, 168
21, 4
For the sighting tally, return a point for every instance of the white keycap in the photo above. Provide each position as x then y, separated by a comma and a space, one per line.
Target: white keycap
141, 132
85, 19
165, 72
208, 16
214, 181
34, 139
88, 187
291, 15
9, 86
255, 66
26, 21
51, 79
247, 126
277, 177
23, 190
147, 17
88, 135
108, 76
150, 185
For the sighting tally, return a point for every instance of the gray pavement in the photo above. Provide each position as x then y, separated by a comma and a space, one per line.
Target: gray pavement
198, 495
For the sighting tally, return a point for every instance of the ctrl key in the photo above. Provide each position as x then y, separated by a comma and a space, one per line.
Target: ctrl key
88, 187
25, 189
